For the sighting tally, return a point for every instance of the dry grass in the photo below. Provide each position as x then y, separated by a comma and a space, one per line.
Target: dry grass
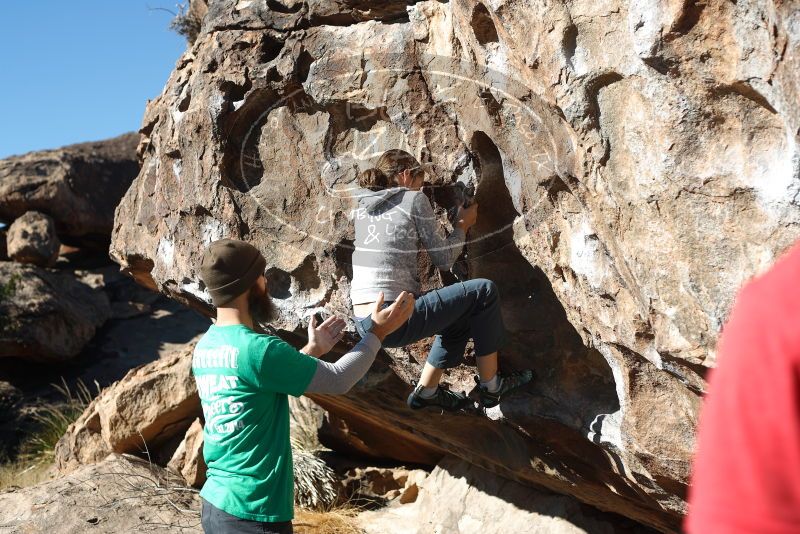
32, 464
186, 23
35, 454
336, 521
305, 418
316, 486
21, 473
52, 421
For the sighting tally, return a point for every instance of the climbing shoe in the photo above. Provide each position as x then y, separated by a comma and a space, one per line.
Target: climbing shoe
444, 398
508, 383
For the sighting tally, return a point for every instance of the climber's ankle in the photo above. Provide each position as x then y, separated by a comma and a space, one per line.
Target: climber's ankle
492, 385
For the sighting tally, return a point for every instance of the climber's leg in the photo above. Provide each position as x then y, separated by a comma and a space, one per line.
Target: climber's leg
443, 312
430, 376
487, 366
456, 308
434, 312
454, 314
486, 321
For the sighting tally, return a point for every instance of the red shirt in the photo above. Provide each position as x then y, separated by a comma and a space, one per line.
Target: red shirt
746, 473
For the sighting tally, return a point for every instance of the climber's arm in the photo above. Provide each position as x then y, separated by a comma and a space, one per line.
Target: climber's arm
443, 251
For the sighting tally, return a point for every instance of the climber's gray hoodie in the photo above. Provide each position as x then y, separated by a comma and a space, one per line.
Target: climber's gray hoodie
391, 225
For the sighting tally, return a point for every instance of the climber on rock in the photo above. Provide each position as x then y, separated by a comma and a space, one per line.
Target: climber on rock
243, 378
392, 219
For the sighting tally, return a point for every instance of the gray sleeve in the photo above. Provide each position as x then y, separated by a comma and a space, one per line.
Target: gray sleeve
337, 378
443, 251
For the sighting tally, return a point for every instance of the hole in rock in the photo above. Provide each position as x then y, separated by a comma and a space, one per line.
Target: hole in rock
269, 49
241, 166
233, 91
273, 75
570, 43
184, 103
493, 107
307, 275
344, 258
303, 65
483, 25
277, 6
576, 380
688, 19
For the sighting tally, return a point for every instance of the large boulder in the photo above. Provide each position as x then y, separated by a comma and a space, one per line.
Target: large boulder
122, 493
147, 412
46, 315
635, 163
32, 239
78, 185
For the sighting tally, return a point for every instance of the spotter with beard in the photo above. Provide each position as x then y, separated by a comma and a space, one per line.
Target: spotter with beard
244, 377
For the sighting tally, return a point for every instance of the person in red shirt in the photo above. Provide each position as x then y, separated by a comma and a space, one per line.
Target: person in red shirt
746, 472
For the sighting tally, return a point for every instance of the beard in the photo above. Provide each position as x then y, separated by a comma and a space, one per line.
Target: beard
262, 309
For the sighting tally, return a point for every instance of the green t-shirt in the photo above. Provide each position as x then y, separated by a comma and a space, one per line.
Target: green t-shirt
243, 379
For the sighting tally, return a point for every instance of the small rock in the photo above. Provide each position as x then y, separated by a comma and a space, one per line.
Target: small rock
188, 458
32, 239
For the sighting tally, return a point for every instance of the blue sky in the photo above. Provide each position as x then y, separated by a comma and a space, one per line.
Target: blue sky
80, 70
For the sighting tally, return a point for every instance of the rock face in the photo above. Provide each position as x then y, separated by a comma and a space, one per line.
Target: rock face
635, 162
188, 457
32, 239
119, 494
46, 315
459, 498
360, 437
78, 185
147, 412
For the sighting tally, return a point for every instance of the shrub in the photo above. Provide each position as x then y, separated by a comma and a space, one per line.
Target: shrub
52, 421
35, 455
186, 23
